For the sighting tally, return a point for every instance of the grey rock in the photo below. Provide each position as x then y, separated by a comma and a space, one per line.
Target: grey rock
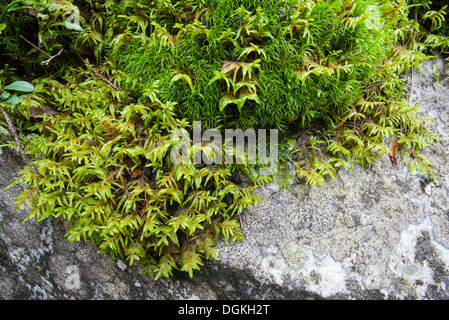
371, 233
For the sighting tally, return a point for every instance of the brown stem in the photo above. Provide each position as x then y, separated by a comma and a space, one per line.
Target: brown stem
49, 59
35, 48
13, 131
99, 74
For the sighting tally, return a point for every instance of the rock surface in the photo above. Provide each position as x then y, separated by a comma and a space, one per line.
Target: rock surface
375, 233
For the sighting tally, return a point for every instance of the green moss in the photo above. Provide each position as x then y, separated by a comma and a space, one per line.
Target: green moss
104, 164
328, 73
261, 63
330, 69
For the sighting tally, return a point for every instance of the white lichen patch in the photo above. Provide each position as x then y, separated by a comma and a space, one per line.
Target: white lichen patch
274, 267
403, 262
325, 277
121, 265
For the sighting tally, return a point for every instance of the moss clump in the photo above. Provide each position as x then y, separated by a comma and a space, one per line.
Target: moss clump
331, 70
328, 73
264, 64
104, 164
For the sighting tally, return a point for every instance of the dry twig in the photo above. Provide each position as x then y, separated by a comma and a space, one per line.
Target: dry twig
54, 56
13, 131
99, 74
45, 62
35, 47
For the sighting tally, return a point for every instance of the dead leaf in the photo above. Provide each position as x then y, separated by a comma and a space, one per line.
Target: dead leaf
393, 146
172, 39
46, 128
231, 66
136, 172
37, 112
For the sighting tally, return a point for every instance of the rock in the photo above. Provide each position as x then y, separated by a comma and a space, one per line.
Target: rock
371, 233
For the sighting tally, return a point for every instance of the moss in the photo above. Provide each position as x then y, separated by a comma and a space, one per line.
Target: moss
125, 75
104, 164
329, 70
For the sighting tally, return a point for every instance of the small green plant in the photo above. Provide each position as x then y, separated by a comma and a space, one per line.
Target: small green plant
12, 98
34, 32
8, 101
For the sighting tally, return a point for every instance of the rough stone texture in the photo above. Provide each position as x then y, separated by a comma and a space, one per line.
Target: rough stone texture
374, 233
